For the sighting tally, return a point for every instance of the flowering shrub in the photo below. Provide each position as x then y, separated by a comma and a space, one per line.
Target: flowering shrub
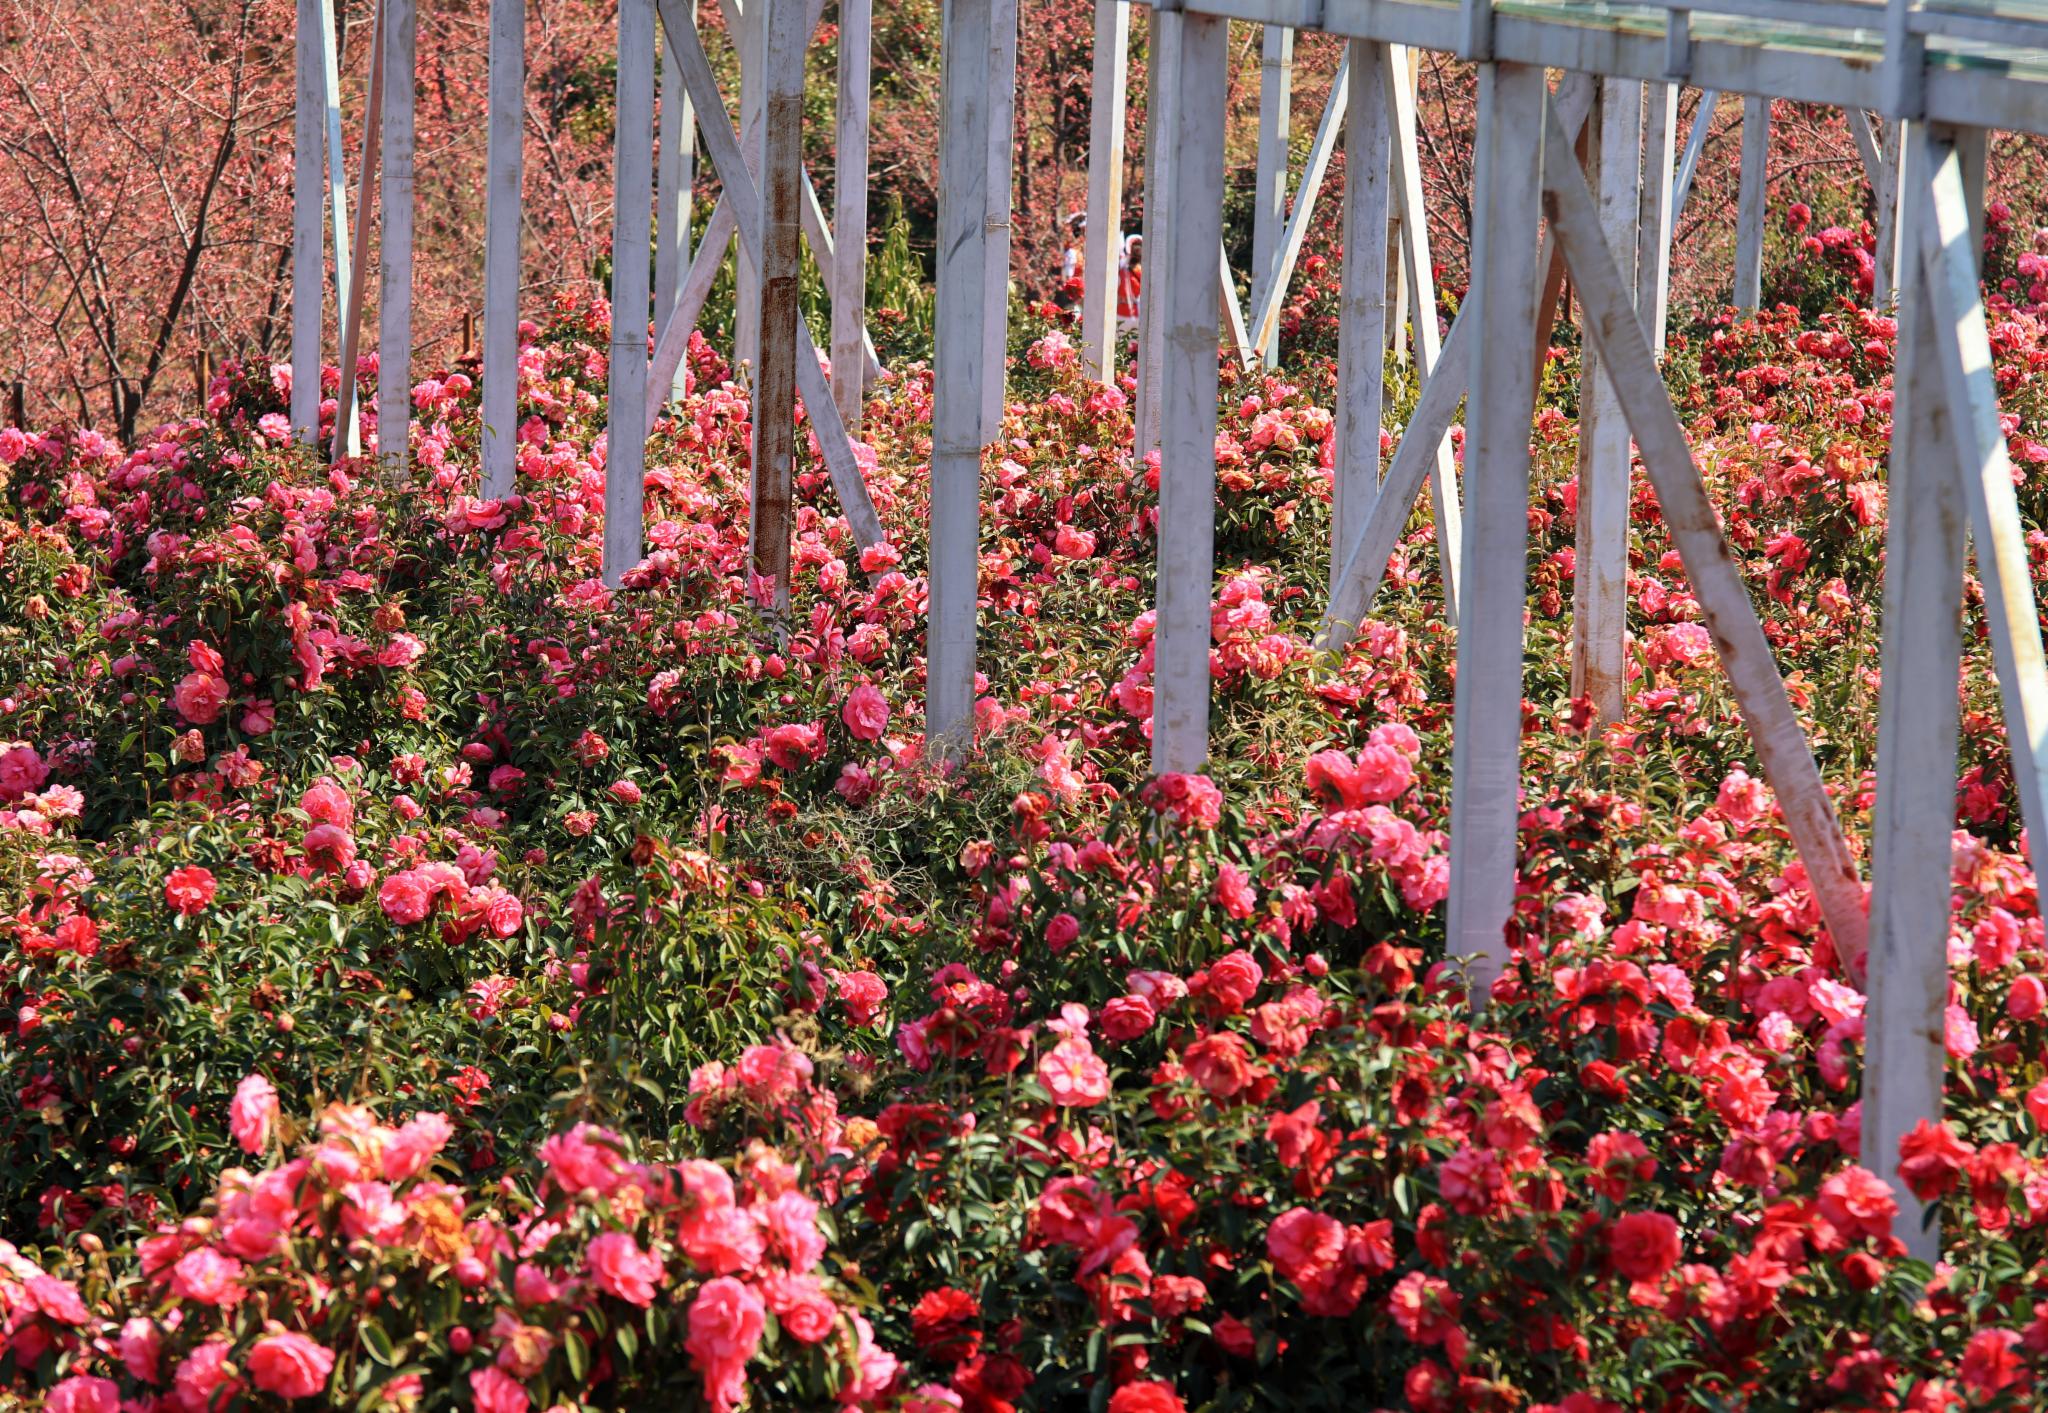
678, 1032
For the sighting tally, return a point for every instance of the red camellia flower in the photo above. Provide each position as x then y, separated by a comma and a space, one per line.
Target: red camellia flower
1146, 1396
1930, 1157
189, 889
944, 1324
1643, 1245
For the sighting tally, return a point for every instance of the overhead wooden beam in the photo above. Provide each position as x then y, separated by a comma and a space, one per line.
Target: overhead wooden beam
1610, 325
503, 160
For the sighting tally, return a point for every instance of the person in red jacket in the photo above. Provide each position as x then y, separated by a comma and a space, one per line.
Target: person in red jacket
1130, 269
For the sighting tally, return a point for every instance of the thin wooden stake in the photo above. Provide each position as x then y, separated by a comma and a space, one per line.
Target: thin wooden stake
850, 215
504, 161
1653, 223
1609, 322
1187, 493
1749, 205
1103, 240
632, 233
394, 254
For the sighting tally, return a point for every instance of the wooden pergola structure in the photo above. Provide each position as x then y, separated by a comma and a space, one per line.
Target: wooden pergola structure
1583, 176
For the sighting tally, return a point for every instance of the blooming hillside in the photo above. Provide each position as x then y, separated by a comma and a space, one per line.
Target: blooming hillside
435, 981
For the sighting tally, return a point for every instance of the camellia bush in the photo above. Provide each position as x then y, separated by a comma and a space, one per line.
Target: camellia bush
433, 980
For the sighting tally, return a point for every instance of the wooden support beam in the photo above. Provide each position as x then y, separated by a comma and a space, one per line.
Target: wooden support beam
1269, 191
1610, 325
1695, 142
1950, 197
1749, 204
1103, 240
503, 161
1162, 58
632, 233
1885, 281
850, 209
337, 169
394, 250
1912, 824
1002, 145
771, 505
348, 436
674, 179
1487, 713
1653, 222
959, 364
1362, 300
1265, 320
1600, 576
747, 37
309, 264
739, 210
1397, 85
1231, 310
1187, 309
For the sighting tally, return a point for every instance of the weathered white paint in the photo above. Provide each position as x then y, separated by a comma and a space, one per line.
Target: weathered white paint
1905, 1047
850, 211
1487, 713
1231, 309
995, 328
1749, 203
959, 363
1695, 142
1362, 301
770, 506
1890, 191
747, 37
337, 168
309, 264
1187, 481
503, 160
1653, 221
665, 368
394, 250
674, 178
1265, 320
1162, 58
632, 234
1269, 186
1600, 579
1610, 325
348, 436
1103, 239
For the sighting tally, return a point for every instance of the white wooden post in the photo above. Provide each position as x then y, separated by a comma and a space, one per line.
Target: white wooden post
337, 167
1695, 141
348, 437
1002, 144
1890, 190
770, 507
675, 178
1600, 580
309, 265
1905, 1054
1162, 59
503, 162
1269, 195
747, 38
394, 249
1950, 244
1187, 305
1362, 302
1397, 83
1103, 240
1487, 731
632, 230
1610, 325
850, 214
959, 363
1749, 206
1653, 247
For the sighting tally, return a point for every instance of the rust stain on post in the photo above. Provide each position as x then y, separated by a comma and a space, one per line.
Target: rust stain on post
781, 231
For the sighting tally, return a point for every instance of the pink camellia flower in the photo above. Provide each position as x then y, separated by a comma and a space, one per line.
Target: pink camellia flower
290, 1365
82, 1393
793, 746
252, 1113
586, 1158
188, 890
22, 772
493, 1390
199, 697
205, 1277
202, 1381
1074, 1075
773, 1074
1643, 1246
414, 1143
142, 1345
1128, 1017
726, 1320
406, 897
866, 713
619, 1267
625, 792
